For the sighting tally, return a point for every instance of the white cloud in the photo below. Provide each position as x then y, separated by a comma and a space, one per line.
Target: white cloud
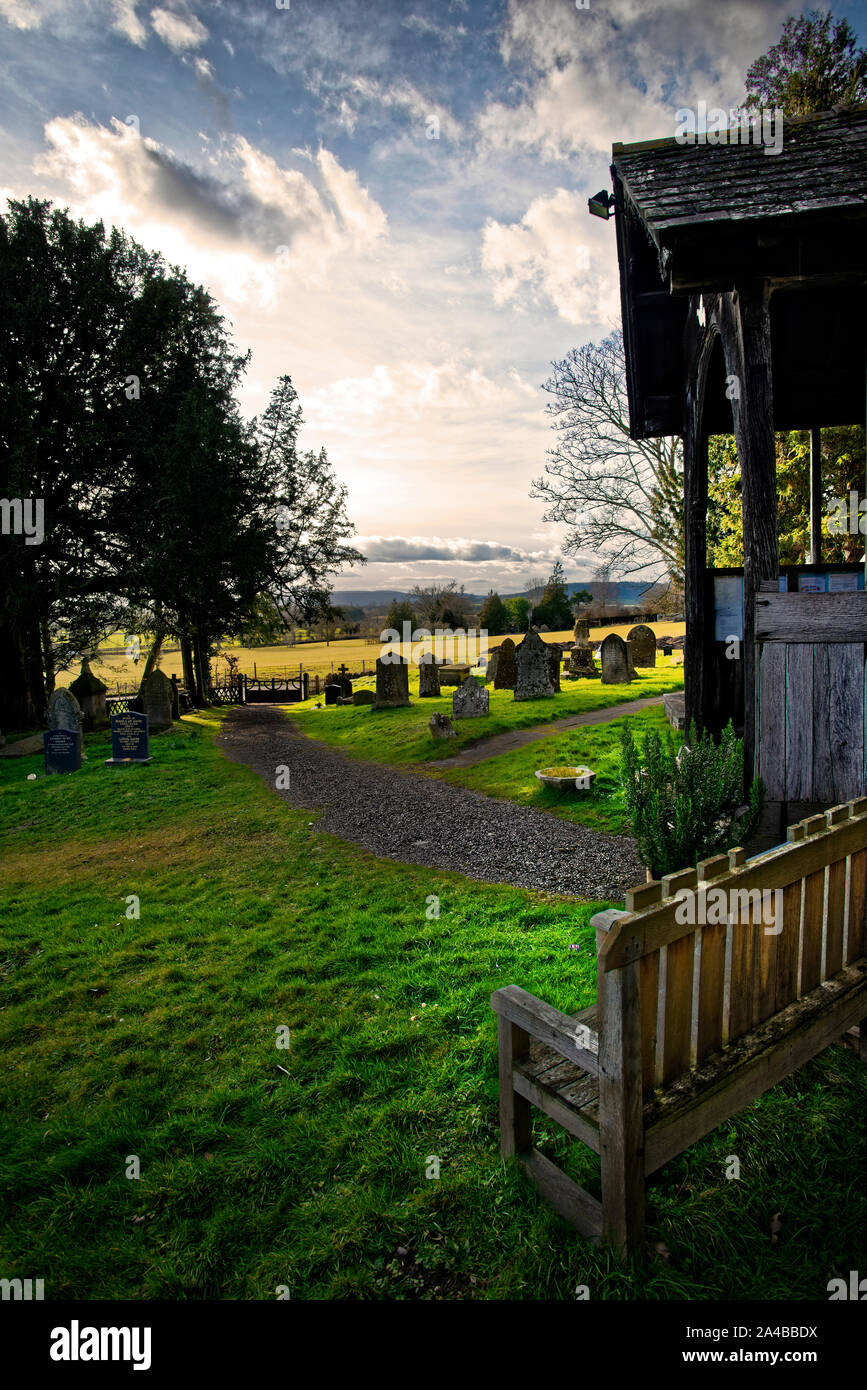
127, 22
553, 253
179, 32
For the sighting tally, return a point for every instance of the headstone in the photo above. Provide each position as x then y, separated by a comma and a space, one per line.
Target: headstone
89, 691
581, 630
491, 668
156, 695
470, 701
428, 678
666, 651
130, 740
507, 670
533, 663
630, 649
332, 693
363, 697
454, 673
441, 726
554, 658
64, 712
644, 648
345, 700
62, 751
343, 680
581, 663
392, 684
615, 661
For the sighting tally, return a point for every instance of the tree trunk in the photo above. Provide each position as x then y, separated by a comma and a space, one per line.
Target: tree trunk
154, 653
22, 688
47, 659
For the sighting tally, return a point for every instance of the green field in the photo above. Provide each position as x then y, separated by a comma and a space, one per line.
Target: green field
305, 1167
401, 736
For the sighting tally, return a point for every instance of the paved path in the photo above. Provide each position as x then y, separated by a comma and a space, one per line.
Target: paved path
424, 820
496, 744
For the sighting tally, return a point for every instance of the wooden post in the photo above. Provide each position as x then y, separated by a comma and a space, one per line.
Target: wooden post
695, 567
620, 1111
516, 1123
745, 329
816, 495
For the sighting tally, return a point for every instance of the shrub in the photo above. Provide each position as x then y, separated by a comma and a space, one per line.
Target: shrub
684, 811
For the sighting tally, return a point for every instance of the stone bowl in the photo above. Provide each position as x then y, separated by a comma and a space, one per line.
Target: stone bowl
563, 777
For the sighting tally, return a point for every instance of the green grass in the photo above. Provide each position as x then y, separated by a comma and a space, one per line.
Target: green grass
402, 736
512, 776
156, 1037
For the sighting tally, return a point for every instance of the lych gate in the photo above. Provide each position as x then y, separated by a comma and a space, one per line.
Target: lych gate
744, 289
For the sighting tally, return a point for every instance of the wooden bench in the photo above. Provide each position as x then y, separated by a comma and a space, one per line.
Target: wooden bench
692, 1022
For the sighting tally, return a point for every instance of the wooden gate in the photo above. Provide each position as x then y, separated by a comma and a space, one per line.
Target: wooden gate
810, 695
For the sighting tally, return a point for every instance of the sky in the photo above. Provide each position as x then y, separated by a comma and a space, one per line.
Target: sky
389, 203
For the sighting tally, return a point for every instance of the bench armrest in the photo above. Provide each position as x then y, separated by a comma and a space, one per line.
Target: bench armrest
573, 1040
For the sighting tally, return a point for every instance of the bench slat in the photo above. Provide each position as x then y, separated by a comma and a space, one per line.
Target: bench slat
649, 992
788, 947
676, 982
835, 919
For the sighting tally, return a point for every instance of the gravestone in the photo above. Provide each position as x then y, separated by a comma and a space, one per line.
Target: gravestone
581, 630
666, 651
533, 669
470, 701
441, 726
428, 678
581, 663
616, 669
507, 672
156, 697
454, 673
62, 751
130, 740
643, 639
89, 691
491, 668
64, 712
392, 684
363, 697
332, 693
343, 680
630, 648
554, 658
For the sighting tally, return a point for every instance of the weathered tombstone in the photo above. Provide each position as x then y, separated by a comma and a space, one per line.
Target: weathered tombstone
343, 680
130, 740
470, 701
581, 663
62, 751
554, 659
666, 651
315, 685
616, 668
332, 693
89, 691
428, 678
392, 684
581, 630
454, 673
644, 648
630, 649
533, 666
64, 712
156, 696
506, 673
441, 726
491, 668
363, 697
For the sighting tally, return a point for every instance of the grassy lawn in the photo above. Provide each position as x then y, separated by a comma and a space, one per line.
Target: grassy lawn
401, 736
512, 776
305, 1167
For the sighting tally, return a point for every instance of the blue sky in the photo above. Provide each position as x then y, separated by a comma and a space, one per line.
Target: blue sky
389, 203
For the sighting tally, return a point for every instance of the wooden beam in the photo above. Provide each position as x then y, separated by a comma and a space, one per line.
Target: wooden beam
816, 495
582, 1211
546, 1023
695, 532
621, 1127
516, 1121
745, 329
811, 618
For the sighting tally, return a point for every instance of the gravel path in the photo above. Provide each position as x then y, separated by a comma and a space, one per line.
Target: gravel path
420, 820
495, 744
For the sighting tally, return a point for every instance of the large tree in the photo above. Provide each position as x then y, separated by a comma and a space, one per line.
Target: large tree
816, 64
617, 496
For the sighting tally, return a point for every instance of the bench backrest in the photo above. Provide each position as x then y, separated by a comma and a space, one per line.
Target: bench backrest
726, 946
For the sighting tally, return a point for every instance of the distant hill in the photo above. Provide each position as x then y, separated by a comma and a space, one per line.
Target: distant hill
627, 591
